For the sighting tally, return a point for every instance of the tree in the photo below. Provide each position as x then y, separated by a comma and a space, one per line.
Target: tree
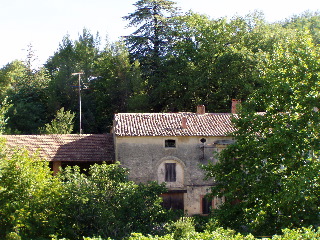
306, 20
152, 38
4, 107
34, 204
10, 77
117, 86
29, 195
26, 89
105, 203
72, 57
151, 42
212, 61
270, 176
62, 123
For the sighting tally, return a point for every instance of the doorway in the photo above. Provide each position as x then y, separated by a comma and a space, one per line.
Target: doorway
173, 201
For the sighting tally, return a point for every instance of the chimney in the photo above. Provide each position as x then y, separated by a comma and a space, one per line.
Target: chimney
184, 122
235, 102
201, 109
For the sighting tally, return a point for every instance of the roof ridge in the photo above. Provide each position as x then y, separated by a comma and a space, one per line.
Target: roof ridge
174, 113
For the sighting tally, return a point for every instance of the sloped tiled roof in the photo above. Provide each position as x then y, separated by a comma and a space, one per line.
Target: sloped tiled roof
66, 147
170, 124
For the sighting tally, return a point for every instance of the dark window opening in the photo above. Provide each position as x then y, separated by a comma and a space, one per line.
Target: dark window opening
206, 205
170, 170
173, 201
203, 140
170, 143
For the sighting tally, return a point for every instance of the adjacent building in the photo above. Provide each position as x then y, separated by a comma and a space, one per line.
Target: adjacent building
67, 149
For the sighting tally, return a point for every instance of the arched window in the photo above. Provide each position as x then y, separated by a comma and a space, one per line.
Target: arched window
171, 171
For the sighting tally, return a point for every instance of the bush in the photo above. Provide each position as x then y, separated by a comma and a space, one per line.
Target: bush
105, 203
297, 234
28, 196
201, 222
34, 204
228, 234
182, 229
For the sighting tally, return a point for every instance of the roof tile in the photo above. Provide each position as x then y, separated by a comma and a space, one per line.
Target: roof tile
66, 147
169, 124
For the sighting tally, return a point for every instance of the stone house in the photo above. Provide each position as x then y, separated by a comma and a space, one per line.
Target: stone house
162, 147
170, 147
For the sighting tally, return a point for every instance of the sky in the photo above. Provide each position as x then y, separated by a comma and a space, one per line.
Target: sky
44, 23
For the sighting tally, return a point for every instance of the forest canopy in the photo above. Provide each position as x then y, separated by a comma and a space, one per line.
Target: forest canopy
171, 62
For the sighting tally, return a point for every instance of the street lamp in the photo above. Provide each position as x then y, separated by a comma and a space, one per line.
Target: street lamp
79, 87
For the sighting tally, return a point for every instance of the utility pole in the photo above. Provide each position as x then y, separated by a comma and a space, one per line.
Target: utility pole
79, 87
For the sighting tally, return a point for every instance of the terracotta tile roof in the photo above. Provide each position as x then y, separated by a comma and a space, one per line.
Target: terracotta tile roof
66, 147
170, 124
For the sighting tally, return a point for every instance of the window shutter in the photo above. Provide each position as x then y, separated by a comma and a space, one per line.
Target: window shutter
170, 169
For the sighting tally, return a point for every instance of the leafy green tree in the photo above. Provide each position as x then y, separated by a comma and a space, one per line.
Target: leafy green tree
62, 123
211, 62
105, 203
4, 107
34, 204
307, 20
223, 234
28, 195
10, 77
270, 175
118, 87
60, 67
26, 89
72, 57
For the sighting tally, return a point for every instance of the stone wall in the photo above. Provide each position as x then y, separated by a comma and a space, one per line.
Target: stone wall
145, 158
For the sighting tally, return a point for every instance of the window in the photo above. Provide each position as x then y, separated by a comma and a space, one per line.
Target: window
206, 205
203, 140
170, 169
170, 143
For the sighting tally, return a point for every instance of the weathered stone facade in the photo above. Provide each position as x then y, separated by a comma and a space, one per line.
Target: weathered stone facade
172, 153
145, 157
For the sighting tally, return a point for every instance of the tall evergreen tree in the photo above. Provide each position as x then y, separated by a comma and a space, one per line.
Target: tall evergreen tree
151, 41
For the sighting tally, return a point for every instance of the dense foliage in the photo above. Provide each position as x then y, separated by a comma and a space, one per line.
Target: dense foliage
34, 204
4, 106
270, 176
61, 124
227, 234
29, 195
171, 62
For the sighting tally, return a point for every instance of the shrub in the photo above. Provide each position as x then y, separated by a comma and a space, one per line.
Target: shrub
28, 196
105, 203
182, 228
297, 234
